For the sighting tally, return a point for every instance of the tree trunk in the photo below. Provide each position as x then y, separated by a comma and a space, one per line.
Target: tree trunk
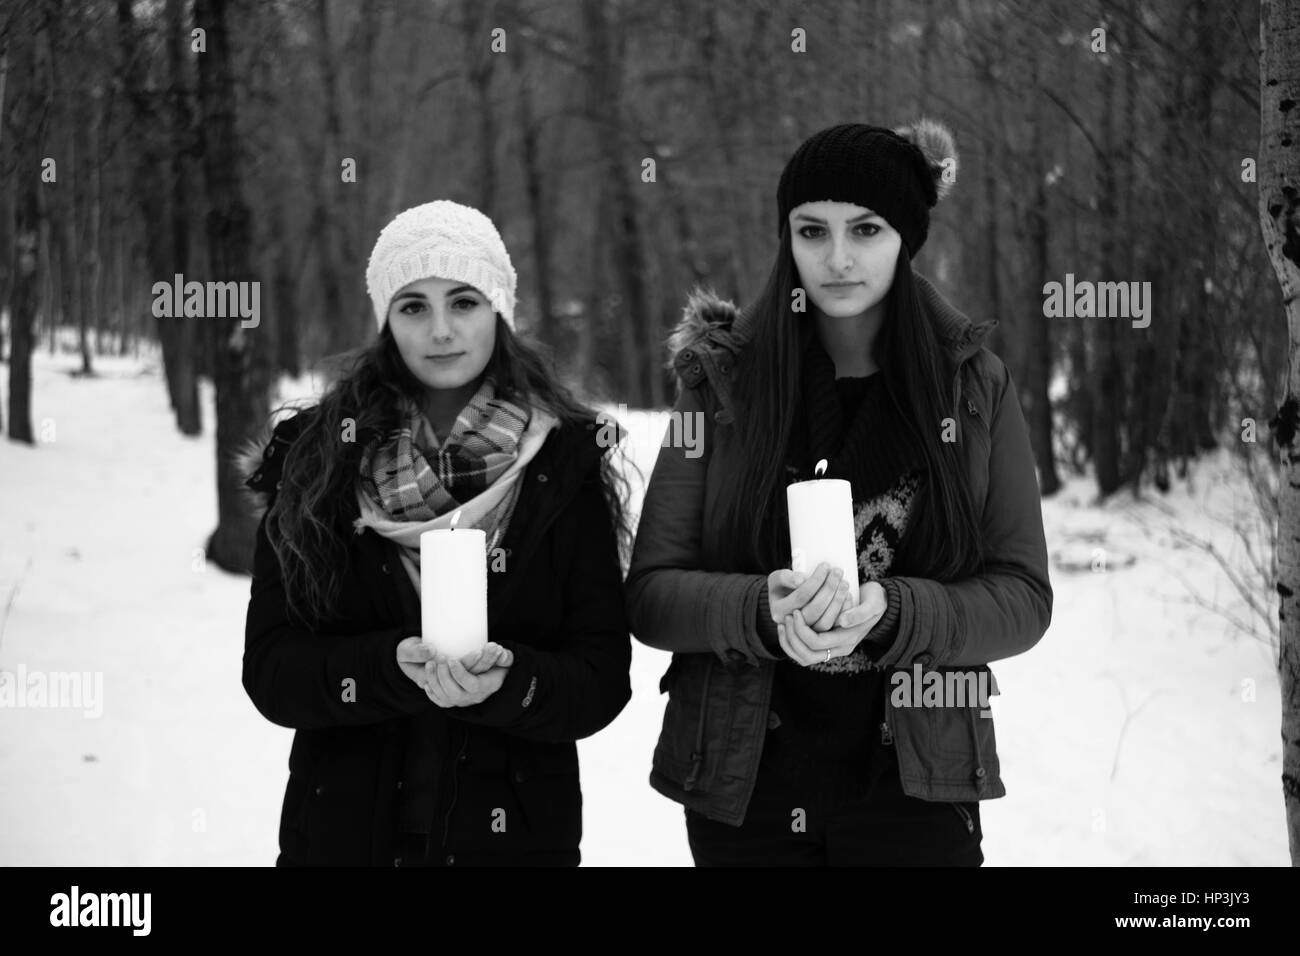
284, 296
22, 308
240, 379
95, 271
1038, 349
585, 348
6, 214
189, 413
32, 109
1107, 385
479, 19
538, 209
146, 172
347, 324
722, 107
925, 54
1143, 413
645, 388
67, 193
1205, 387
1279, 215
993, 159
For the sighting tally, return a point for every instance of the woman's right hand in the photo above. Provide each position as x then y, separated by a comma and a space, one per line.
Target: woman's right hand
821, 596
412, 653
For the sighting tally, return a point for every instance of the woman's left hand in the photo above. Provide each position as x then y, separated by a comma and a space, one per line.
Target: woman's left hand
450, 683
806, 646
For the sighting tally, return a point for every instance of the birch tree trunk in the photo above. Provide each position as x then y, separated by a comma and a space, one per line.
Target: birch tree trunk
1279, 215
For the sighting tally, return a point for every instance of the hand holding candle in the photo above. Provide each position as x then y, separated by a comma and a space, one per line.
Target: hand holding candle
821, 527
453, 589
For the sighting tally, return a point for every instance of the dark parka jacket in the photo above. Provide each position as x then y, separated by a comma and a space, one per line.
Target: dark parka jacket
685, 597
558, 605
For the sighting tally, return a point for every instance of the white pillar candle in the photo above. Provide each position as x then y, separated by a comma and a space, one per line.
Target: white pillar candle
453, 589
821, 527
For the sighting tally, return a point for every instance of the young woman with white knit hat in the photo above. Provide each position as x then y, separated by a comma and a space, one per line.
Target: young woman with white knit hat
403, 756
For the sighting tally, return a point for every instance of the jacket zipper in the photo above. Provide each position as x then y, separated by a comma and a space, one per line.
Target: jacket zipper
697, 755
975, 741
886, 735
966, 818
455, 787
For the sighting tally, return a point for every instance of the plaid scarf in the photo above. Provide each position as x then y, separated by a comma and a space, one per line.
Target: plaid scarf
414, 477
410, 483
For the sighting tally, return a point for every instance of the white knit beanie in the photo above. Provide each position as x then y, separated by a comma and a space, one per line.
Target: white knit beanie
441, 240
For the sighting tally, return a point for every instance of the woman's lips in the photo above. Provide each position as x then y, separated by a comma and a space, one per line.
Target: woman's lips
444, 359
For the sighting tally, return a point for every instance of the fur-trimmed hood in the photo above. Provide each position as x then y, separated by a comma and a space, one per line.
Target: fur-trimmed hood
258, 459
710, 323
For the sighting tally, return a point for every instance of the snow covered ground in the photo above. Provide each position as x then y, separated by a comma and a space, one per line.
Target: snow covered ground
1141, 730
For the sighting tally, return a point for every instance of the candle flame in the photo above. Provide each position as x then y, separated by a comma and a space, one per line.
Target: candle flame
455, 519
820, 469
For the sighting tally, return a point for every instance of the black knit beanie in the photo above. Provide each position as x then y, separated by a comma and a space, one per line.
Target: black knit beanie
895, 173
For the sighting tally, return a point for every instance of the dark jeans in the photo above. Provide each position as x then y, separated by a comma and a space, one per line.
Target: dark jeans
881, 827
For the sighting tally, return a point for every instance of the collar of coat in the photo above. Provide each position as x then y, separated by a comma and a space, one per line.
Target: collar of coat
713, 326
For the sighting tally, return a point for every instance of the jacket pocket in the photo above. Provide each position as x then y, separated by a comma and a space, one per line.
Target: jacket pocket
965, 746
945, 752
679, 754
545, 782
339, 823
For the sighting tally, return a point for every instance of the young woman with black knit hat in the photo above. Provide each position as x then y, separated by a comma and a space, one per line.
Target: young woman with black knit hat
788, 735
403, 756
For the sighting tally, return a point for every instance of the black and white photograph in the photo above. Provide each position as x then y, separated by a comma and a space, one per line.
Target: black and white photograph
702, 433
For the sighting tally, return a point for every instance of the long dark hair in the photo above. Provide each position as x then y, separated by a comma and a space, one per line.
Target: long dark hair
310, 521
942, 541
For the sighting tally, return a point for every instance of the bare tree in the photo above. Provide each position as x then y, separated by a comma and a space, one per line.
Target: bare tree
240, 374
1279, 215
638, 340
149, 128
32, 106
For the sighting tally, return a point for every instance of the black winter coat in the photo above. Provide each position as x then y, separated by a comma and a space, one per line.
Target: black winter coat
506, 787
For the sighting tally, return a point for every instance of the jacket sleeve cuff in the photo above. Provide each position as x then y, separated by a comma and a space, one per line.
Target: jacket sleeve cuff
766, 626
512, 698
401, 689
881, 637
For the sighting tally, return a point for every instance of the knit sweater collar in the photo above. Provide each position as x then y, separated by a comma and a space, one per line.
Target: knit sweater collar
871, 448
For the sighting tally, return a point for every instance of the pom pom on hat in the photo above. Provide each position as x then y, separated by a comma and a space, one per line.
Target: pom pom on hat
938, 147
441, 240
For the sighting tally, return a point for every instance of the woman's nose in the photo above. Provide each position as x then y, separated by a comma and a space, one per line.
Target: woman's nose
839, 261
441, 325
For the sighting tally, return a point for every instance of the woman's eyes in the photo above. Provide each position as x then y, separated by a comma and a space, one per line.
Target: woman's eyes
818, 231
462, 303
